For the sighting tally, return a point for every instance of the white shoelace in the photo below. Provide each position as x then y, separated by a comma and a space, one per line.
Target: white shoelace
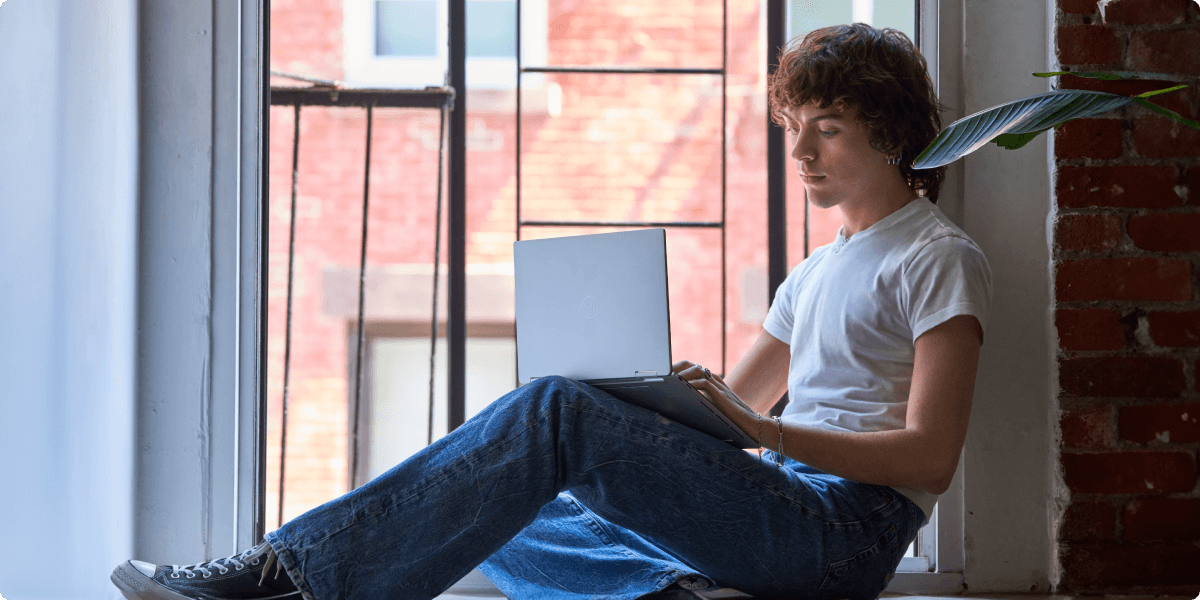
238, 562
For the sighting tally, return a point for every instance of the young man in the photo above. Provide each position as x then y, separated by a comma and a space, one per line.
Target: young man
562, 491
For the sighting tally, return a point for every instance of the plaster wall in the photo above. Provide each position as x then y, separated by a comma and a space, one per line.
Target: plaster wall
1006, 203
67, 278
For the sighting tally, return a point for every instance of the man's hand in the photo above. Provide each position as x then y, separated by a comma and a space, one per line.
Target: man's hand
713, 386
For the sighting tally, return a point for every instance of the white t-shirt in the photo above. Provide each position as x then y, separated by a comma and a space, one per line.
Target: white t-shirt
852, 311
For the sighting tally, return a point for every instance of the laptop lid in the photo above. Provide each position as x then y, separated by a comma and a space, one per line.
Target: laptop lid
593, 306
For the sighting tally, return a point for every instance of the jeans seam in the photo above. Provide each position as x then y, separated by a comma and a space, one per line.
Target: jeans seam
290, 566
882, 511
594, 526
706, 457
421, 487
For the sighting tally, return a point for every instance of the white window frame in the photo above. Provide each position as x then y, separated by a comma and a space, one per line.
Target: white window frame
939, 567
364, 69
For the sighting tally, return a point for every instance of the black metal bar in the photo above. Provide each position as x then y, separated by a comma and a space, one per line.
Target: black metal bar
624, 70
362, 280
777, 262
917, 24
517, 189
433, 97
807, 220
317, 81
692, 224
456, 326
437, 253
776, 160
724, 217
287, 335
264, 33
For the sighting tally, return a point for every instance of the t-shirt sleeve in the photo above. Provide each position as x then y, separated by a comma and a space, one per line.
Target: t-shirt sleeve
948, 277
781, 317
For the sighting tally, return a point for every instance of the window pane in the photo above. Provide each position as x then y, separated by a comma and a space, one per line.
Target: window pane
625, 148
807, 15
399, 402
897, 14
406, 28
328, 226
645, 33
491, 29
693, 288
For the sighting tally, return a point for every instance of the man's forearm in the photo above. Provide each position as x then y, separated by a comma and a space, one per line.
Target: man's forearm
899, 457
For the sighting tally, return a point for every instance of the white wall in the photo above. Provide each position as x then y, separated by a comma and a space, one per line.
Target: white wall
128, 282
1010, 449
68, 156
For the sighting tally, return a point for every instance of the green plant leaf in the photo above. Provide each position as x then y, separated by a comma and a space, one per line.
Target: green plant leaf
1111, 75
1166, 112
1012, 141
1021, 120
1157, 92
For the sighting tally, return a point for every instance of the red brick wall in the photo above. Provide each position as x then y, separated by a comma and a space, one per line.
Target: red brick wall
1127, 258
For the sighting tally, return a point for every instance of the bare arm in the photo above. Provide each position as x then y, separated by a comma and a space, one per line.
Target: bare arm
761, 377
924, 454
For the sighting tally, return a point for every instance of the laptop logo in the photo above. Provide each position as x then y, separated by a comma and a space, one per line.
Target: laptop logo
587, 307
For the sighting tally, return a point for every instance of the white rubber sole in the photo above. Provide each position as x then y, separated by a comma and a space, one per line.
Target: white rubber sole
134, 585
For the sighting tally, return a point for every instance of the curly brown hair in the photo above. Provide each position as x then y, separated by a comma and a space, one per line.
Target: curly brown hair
877, 71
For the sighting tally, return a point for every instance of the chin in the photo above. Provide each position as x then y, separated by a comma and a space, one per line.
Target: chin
820, 200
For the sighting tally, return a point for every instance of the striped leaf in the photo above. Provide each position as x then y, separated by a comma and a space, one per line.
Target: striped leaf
1015, 121
1111, 75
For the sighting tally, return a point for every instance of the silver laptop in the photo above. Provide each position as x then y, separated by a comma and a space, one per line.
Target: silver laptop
594, 308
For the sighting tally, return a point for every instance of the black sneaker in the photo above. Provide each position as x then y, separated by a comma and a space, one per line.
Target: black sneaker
242, 576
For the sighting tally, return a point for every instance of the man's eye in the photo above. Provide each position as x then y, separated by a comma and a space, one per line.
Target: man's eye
828, 133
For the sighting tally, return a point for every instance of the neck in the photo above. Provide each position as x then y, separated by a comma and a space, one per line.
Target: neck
873, 208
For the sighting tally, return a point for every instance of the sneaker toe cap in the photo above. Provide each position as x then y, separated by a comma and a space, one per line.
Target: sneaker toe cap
146, 568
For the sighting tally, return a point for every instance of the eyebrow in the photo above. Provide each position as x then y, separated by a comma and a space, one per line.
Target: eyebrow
817, 118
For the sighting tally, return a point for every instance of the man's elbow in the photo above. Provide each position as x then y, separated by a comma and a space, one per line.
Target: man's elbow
938, 481
938, 487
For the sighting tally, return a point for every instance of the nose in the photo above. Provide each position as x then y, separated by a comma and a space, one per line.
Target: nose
803, 148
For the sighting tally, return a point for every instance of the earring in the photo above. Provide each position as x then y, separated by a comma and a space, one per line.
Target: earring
894, 160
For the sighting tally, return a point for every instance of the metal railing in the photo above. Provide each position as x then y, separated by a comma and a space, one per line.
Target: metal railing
721, 72
330, 93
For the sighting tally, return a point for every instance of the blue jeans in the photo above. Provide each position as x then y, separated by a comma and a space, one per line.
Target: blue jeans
648, 502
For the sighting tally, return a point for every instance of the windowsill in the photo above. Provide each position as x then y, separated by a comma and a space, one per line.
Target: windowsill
464, 595
904, 585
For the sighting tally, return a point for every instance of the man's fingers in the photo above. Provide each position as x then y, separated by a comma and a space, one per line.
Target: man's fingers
692, 371
681, 366
705, 387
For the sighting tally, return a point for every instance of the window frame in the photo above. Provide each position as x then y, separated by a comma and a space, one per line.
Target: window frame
382, 329
939, 566
940, 569
363, 68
